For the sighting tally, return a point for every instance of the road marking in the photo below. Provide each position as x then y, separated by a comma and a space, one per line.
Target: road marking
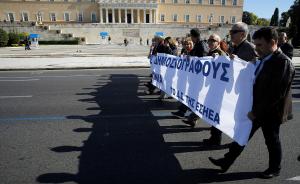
34, 118
45, 118
19, 80
296, 101
297, 178
15, 77
5, 97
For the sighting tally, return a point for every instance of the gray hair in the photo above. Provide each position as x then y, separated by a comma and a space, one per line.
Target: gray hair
241, 26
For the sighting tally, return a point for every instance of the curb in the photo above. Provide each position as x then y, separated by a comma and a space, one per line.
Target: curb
75, 68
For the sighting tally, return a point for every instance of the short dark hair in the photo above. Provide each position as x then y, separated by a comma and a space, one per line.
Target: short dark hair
268, 33
195, 32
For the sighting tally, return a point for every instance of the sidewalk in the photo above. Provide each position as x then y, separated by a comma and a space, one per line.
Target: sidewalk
50, 57
80, 63
72, 63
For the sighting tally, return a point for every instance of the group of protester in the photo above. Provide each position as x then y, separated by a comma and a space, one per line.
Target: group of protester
272, 101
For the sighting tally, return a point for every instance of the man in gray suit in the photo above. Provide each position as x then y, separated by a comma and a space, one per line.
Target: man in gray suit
240, 48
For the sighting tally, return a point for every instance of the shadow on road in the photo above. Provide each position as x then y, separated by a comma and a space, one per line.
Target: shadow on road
126, 143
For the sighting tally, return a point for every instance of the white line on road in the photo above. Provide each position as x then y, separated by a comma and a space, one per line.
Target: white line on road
5, 97
297, 178
19, 80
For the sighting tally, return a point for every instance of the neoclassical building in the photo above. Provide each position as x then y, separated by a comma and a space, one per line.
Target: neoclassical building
206, 12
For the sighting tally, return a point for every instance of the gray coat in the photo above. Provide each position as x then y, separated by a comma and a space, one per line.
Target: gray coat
245, 51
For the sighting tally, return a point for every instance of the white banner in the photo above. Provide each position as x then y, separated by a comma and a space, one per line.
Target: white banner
218, 90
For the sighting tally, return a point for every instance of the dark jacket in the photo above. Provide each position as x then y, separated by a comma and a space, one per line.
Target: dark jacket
271, 89
245, 51
217, 51
161, 48
287, 49
200, 49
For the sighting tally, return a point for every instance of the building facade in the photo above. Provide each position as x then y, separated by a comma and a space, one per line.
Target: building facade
206, 12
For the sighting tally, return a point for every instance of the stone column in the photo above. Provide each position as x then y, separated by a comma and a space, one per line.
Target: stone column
155, 16
106, 15
101, 15
150, 15
119, 12
132, 19
125, 15
138, 16
113, 15
144, 16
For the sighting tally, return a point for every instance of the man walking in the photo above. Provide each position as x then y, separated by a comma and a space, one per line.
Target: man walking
240, 48
274, 76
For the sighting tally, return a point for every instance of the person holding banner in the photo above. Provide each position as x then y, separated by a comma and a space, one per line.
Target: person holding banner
240, 48
273, 79
161, 46
214, 50
200, 49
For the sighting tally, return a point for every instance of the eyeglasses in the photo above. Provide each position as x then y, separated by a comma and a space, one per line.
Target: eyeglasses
235, 31
212, 40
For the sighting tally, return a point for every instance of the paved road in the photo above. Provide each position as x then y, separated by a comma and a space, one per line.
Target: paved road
97, 126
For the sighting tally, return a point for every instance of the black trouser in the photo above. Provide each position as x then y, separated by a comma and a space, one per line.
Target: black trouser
271, 134
215, 134
183, 108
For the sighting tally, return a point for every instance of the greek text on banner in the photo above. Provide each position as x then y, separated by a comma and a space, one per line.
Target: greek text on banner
218, 90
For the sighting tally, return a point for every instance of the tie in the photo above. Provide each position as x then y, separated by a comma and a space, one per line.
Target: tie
258, 67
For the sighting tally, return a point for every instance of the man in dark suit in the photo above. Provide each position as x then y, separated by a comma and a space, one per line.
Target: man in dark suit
285, 46
288, 50
274, 76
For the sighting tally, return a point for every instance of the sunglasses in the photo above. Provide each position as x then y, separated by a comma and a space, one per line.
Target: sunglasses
212, 40
235, 31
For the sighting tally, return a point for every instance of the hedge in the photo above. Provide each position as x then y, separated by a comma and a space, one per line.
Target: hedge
3, 38
59, 42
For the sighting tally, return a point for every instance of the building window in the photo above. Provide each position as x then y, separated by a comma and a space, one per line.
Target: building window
187, 18
162, 1
39, 17
67, 17
175, 1
51, 0
93, 1
78, 1
223, 2
66, 0
93, 17
11, 17
80, 17
187, 1
233, 20
175, 17
234, 2
199, 18
52, 17
222, 19
162, 17
25, 16
211, 1
199, 1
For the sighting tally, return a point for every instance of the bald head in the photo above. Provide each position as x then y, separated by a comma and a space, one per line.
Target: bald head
241, 26
239, 33
215, 37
